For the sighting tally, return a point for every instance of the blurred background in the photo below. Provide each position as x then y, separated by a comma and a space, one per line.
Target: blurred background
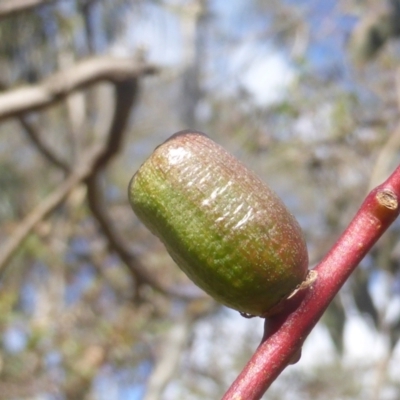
306, 93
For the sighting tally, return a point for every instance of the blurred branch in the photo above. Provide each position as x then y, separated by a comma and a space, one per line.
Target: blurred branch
59, 85
126, 93
54, 199
379, 25
53, 89
40, 145
93, 164
87, 10
45, 94
10, 7
35, 137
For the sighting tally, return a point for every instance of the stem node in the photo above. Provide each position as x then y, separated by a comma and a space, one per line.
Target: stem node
387, 199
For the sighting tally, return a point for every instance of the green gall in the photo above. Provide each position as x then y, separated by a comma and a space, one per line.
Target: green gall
220, 223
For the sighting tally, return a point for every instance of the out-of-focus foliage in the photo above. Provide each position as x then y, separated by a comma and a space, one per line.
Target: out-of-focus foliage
76, 321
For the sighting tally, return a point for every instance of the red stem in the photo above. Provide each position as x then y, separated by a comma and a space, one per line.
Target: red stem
287, 331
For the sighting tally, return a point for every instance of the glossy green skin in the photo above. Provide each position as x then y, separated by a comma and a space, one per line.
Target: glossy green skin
220, 223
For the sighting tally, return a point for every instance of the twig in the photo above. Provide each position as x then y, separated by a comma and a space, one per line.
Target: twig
90, 171
59, 85
286, 333
47, 206
126, 92
53, 89
35, 137
41, 146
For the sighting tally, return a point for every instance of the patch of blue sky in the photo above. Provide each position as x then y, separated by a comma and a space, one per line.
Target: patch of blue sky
238, 18
29, 293
15, 339
134, 388
80, 246
154, 29
122, 384
52, 359
329, 29
239, 52
28, 296
105, 386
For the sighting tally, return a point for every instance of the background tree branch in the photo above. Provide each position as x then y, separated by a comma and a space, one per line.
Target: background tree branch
59, 85
35, 136
92, 164
42, 210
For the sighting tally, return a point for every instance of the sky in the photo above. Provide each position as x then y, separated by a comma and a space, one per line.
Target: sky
262, 70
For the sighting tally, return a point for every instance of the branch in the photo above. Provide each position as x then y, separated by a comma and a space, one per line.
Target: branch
90, 161
126, 93
59, 85
41, 211
124, 74
285, 334
41, 146
36, 139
